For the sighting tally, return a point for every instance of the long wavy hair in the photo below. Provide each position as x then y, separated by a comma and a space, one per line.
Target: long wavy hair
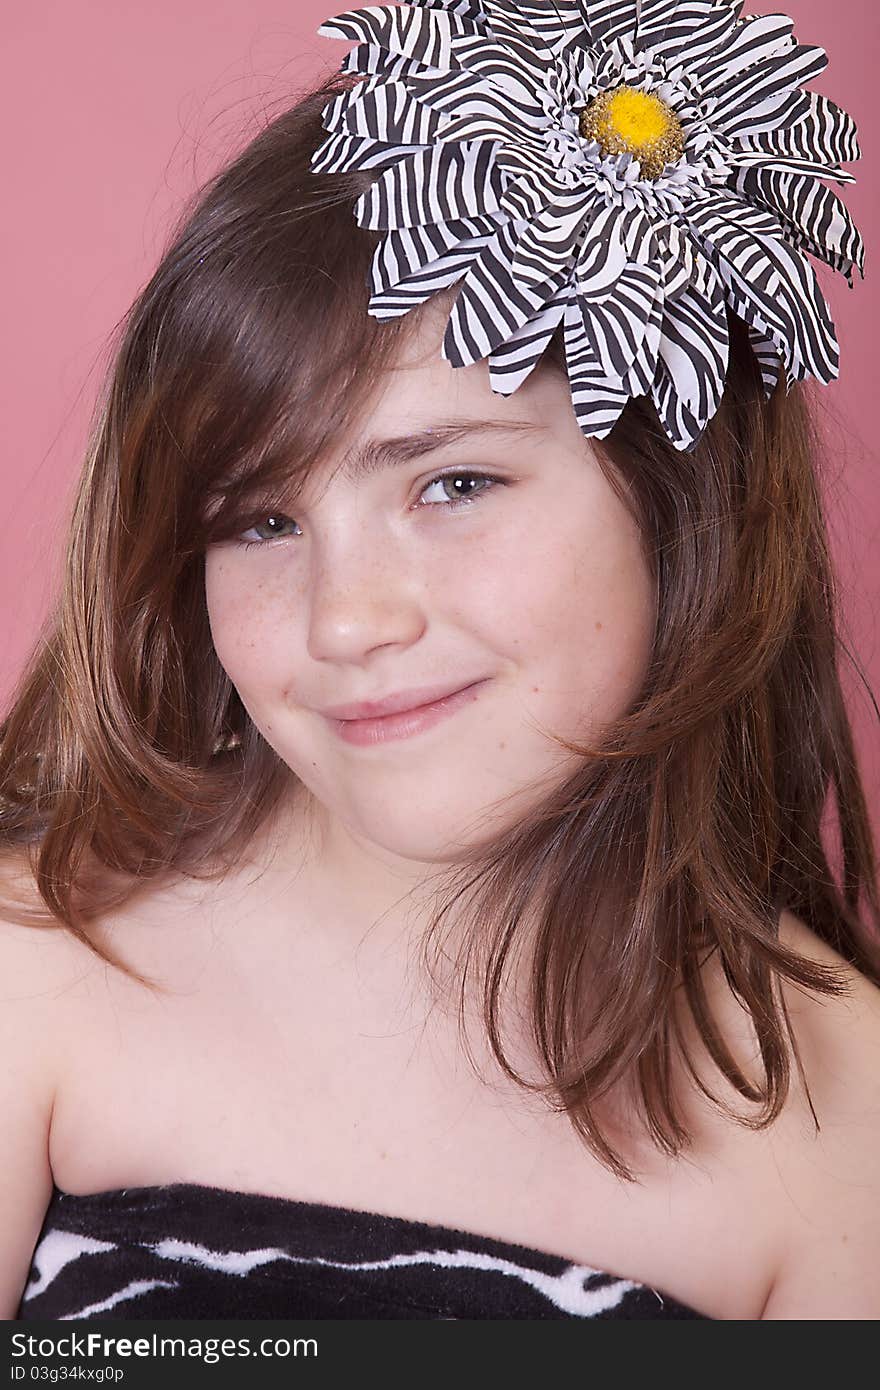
694, 820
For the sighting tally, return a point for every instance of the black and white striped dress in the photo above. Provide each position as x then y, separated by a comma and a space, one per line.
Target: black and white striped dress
184, 1250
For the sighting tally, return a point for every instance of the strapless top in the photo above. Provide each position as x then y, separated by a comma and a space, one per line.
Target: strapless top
185, 1250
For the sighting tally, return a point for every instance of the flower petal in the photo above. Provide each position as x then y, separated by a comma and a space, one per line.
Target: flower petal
471, 106
366, 59
411, 253
677, 419
639, 237
769, 359
609, 20
530, 28
766, 81
495, 64
523, 158
781, 110
597, 402
423, 34
512, 361
433, 185
491, 304
548, 242
825, 131
470, 9
694, 348
638, 379
782, 164
527, 195
814, 210
676, 256
382, 110
371, 60
763, 268
603, 255
685, 31
508, 27
615, 327
338, 153
753, 40
747, 309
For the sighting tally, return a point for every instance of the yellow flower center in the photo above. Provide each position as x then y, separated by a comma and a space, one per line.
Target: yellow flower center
630, 121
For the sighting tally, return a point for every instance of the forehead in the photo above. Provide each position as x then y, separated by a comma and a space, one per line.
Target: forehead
422, 404
376, 453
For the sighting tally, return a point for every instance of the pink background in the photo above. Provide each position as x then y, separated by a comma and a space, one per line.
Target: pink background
113, 113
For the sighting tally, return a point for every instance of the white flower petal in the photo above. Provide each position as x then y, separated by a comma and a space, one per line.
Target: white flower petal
463, 94
528, 195
468, 9
515, 160
339, 153
817, 213
677, 259
369, 59
597, 402
782, 110
676, 418
548, 242
641, 373
694, 348
494, 64
640, 237
491, 304
615, 327
824, 132
533, 30
610, 20
769, 359
782, 164
516, 358
603, 255
422, 34
411, 256
385, 111
760, 266
685, 31
768, 80
751, 41
434, 185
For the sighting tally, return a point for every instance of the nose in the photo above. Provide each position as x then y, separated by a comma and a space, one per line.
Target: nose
363, 595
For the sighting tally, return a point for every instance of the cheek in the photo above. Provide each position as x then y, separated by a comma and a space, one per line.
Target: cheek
571, 598
246, 631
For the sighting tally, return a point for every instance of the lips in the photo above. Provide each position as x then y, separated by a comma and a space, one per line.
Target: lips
417, 719
401, 701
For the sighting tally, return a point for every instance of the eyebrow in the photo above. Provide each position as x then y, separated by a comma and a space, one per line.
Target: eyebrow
379, 454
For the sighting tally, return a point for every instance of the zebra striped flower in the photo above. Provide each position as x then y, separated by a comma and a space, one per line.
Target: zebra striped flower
628, 168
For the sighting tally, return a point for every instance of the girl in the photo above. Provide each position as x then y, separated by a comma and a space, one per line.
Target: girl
421, 803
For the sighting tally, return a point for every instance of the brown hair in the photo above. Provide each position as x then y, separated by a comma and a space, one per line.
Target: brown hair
127, 755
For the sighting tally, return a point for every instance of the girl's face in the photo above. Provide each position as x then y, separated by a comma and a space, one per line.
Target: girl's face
382, 580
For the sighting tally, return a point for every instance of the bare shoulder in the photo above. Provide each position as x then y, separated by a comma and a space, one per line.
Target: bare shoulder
42, 969
806, 1188
841, 1033
37, 958
37, 966
830, 1262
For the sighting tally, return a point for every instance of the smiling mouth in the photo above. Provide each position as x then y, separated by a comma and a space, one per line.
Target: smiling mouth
405, 723
414, 697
